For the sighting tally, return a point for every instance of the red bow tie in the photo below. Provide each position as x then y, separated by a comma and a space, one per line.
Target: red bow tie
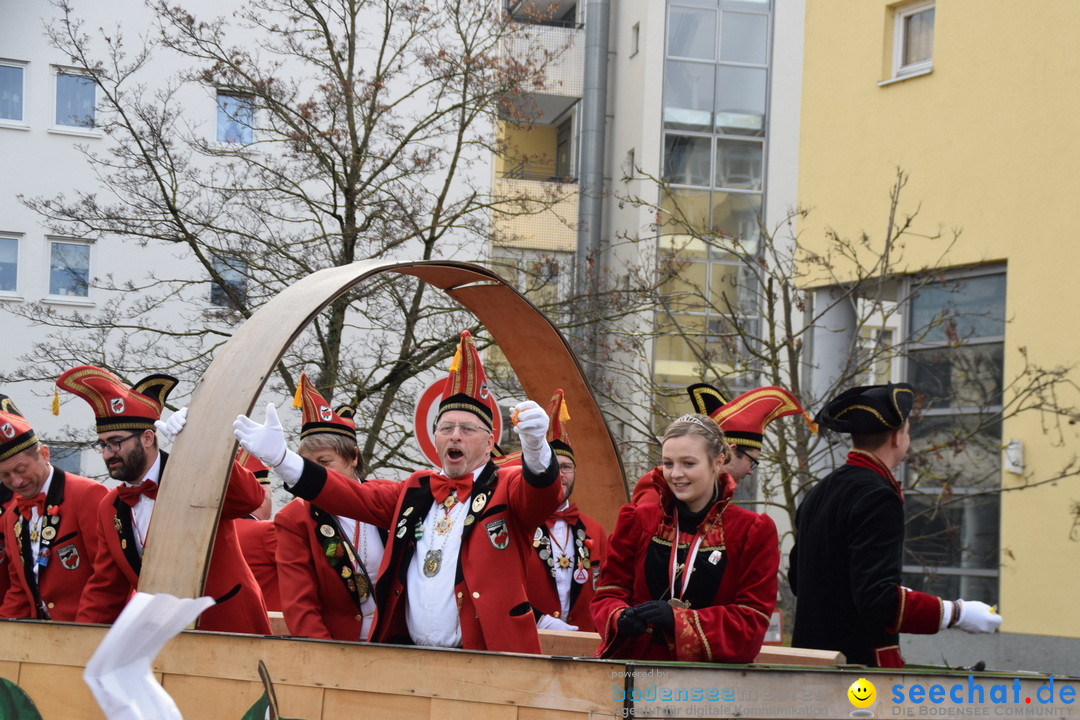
442, 486
570, 516
25, 505
130, 494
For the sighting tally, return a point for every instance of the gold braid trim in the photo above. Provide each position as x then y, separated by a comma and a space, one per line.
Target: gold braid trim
612, 587
754, 609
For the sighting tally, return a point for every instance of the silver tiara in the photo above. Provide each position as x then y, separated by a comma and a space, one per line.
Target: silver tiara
692, 419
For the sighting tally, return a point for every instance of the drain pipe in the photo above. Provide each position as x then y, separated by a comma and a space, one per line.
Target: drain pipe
591, 185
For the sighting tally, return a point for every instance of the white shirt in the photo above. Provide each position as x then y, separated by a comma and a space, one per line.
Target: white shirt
144, 507
563, 576
369, 548
431, 610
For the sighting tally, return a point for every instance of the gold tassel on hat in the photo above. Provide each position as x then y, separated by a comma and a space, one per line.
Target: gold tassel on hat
810, 422
55, 402
455, 364
564, 412
298, 396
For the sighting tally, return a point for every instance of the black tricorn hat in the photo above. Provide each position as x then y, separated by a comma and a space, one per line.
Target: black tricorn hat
868, 409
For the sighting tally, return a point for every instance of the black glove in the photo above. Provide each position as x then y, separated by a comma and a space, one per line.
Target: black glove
630, 624
657, 613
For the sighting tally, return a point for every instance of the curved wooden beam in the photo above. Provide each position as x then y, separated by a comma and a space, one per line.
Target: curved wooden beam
181, 536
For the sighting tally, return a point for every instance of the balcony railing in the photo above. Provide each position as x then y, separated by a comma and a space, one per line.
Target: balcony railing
543, 172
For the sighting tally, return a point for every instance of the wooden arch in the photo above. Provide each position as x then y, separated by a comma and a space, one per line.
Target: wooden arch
181, 536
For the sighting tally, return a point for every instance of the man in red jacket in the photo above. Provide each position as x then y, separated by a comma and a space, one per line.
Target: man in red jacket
126, 420
568, 548
453, 574
52, 525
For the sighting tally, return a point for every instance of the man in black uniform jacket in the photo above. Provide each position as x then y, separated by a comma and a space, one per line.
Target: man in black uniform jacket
849, 542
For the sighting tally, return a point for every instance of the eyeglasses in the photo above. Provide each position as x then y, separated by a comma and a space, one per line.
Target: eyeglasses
753, 460
113, 446
467, 429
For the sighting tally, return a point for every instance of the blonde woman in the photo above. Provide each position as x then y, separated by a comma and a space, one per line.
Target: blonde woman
689, 577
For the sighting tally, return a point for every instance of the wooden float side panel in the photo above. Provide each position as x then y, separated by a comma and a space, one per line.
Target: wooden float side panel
457, 710
345, 704
200, 697
59, 692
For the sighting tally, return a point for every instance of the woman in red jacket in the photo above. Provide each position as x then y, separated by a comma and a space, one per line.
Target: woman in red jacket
689, 577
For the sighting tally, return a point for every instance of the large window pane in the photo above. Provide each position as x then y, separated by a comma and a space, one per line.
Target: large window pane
959, 532
74, 100
737, 216
956, 451
687, 160
692, 33
959, 310
685, 212
964, 376
69, 270
9, 264
233, 273
685, 287
744, 38
235, 118
738, 164
688, 95
11, 93
740, 100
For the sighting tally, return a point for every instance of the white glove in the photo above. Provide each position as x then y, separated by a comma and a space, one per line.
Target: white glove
546, 622
977, 617
170, 428
267, 442
531, 426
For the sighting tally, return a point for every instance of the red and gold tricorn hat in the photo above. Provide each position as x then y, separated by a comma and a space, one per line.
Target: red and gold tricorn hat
317, 415
744, 418
16, 434
252, 463
115, 405
466, 385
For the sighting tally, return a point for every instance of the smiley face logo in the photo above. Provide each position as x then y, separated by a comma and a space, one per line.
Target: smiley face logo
862, 693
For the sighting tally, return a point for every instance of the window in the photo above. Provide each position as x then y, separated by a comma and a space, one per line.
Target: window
956, 362
913, 39
65, 457
235, 119
233, 273
75, 99
9, 263
69, 269
12, 91
563, 157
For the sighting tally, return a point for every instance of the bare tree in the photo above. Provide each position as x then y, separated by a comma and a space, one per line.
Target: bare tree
347, 130
756, 322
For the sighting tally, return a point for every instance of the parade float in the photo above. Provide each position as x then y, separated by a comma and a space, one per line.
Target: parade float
237, 677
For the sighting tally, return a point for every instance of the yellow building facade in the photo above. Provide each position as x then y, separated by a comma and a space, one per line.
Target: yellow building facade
977, 103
